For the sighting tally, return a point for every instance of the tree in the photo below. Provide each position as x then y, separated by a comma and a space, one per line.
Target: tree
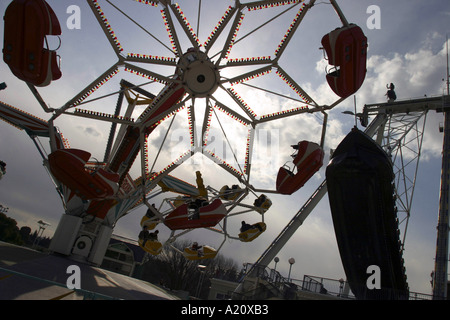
9, 232
25, 234
178, 273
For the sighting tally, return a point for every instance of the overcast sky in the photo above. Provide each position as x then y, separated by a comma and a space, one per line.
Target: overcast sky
406, 47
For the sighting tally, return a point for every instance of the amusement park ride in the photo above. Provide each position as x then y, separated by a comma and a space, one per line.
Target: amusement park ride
96, 194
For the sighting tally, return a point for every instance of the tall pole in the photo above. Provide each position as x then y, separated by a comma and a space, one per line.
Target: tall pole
441, 260
291, 262
448, 75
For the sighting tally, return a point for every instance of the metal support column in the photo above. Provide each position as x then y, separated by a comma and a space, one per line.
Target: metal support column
441, 261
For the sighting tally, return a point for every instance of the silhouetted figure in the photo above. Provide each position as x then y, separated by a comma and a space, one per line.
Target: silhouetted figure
391, 93
144, 235
2, 168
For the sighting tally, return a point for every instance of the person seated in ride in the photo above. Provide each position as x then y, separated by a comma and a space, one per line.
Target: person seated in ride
153, 236
193, 211
3, 167
201, 202
196, 247
245, 226
144, 235
259, 201
150, 213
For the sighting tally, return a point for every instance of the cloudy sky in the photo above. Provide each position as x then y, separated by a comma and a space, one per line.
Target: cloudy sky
406, 47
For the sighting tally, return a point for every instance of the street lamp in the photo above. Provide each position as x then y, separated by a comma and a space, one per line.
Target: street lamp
362, 118
201, 268
276, 261
291, 262
341, 286
42, 226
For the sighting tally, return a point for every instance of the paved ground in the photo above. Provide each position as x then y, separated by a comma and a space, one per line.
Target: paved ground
46, 278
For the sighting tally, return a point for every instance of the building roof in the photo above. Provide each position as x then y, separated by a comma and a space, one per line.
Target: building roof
137, 251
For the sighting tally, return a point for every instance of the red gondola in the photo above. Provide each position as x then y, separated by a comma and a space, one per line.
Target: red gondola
196, 215
308, 161
68, 167
27, 23
346, 48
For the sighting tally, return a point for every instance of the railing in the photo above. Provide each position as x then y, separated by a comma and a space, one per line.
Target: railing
265, 273
274, 282
284, 288
337, 288
341, 288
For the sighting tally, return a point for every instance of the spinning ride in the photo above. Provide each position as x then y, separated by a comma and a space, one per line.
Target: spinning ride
202, 86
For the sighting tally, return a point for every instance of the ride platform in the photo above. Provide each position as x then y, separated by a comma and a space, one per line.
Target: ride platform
27, 274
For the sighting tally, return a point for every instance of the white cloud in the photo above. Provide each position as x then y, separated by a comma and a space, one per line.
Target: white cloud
414, 74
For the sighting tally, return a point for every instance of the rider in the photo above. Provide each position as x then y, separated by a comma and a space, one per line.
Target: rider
3, 167
196, 247
245, 226
153, 236
144, 235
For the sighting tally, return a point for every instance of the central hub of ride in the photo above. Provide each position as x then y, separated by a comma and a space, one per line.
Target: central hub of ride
199, 75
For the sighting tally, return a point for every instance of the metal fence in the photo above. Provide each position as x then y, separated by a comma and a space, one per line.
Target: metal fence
325, 286
341, 288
